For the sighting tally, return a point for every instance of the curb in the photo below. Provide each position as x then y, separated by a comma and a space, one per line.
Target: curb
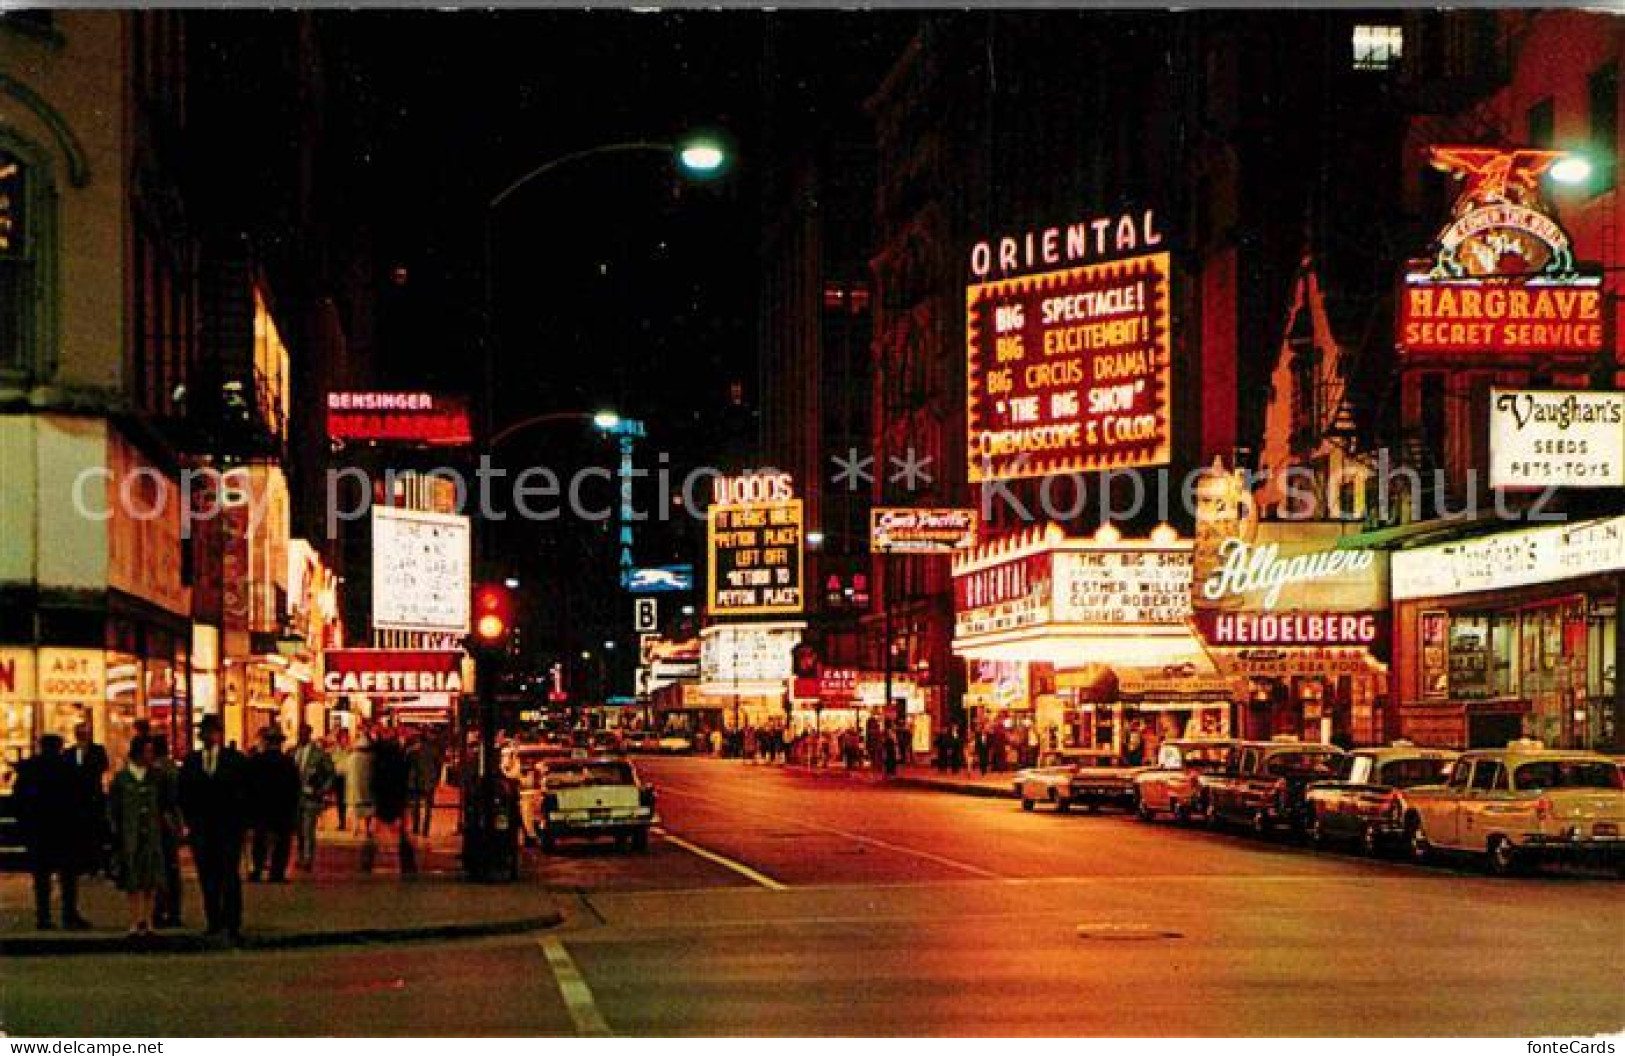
982, 791
41, 946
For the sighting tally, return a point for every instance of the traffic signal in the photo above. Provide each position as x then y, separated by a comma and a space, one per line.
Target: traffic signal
492, 614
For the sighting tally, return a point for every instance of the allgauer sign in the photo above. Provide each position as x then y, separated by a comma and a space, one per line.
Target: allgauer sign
393, 672
921, 531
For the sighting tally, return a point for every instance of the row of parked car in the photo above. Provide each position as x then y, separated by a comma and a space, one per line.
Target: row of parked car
1513, 806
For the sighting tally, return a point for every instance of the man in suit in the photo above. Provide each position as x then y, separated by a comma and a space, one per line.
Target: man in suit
213, 801
89, 761
49, 796
315, 768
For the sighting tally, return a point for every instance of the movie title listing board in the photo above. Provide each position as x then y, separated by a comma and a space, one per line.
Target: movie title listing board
755, 555
1068, 371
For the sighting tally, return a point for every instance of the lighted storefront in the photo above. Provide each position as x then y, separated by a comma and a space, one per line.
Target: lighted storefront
1511, 635
1051, 626
1301, 625
746, 669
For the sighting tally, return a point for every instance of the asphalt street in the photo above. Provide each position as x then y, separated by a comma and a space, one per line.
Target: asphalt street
774, 902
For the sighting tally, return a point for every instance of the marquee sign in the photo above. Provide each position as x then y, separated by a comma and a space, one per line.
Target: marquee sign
1543, 438
420, 570
398, 417
392, 672
1511, 559
1139, 586
1068, 371
754, 542
1502, 277
921, 531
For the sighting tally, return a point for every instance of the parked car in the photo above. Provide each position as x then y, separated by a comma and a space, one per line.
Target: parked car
1520, 805
1102, 780
1366, 805
1263, 784
588, 798
1048, 782
1170, 787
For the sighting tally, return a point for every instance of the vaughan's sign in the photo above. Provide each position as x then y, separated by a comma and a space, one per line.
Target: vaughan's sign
1244, 568
1543, 438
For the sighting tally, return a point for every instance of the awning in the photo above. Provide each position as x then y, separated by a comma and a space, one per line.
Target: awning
1080, 645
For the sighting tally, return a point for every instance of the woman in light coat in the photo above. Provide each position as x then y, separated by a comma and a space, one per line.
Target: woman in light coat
136, 806
358, 783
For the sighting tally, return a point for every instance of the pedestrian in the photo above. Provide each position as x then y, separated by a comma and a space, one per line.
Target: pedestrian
214, 804
889, 750
137, 816
956, 749
167, 913
341, 769
425, 760
984, 749
273, 796
91, 764
55, 828
358, 783
1134, 747
315, 769
389, 794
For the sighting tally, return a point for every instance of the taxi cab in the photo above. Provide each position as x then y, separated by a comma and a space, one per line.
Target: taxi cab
1522, 804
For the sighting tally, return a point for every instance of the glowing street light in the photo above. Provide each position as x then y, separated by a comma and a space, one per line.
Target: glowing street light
702, 157
1571, 169
608, 421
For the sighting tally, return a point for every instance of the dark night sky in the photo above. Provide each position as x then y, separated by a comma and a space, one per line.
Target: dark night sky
617, 282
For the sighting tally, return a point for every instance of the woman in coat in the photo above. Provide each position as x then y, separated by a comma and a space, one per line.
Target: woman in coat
358, 783
137, 812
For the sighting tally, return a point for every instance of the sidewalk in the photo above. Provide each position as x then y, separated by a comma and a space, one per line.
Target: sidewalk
334, 905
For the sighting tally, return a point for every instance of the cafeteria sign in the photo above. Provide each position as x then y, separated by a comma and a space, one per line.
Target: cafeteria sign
921, 531
392, 672
1068, 371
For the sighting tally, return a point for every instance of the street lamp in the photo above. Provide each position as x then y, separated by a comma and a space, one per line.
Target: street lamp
702, 157
1571, 169
608, 421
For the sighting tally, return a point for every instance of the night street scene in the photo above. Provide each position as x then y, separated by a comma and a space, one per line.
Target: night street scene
786, 524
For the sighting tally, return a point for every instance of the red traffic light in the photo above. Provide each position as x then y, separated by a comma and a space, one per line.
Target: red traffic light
492, 615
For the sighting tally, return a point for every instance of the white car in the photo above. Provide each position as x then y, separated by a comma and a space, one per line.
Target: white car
1048, 782
589, 798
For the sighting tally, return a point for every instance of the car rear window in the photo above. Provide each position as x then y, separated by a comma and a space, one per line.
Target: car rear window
1312, 764
1567, 773
1408, 773
567, 776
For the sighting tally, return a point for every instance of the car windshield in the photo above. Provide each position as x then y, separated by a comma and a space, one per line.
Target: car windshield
1408, 773
1567, 773
1206, 757
1305, 764
589, 774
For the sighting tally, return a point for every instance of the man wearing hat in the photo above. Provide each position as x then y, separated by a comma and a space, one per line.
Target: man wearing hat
273, 792
214, 804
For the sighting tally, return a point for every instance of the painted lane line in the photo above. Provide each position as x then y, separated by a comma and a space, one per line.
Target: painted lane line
874, 841
578, 1000
727, 863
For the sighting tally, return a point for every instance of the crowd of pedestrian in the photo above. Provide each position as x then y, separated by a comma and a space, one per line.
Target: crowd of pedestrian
78, 817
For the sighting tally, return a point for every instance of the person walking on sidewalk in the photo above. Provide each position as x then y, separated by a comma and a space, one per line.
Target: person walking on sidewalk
138, 849
55, 828
91, 764
340, 756
358, 784
213, 801
389, 793
315, 770
273, 783
168, 776
423, 776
